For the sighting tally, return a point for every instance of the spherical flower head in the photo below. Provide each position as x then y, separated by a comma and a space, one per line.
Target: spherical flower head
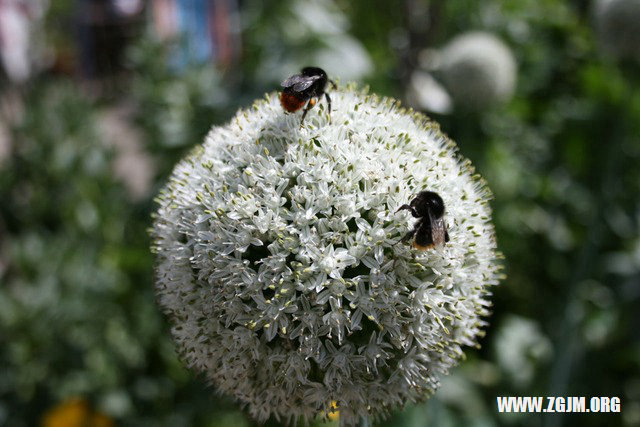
618, 25
478, 70
281, 266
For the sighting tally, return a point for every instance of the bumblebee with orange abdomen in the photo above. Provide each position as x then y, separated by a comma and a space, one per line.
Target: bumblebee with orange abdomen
430, 231
307, 87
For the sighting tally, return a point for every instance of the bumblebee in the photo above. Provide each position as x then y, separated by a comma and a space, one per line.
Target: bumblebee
307, 87
430, 231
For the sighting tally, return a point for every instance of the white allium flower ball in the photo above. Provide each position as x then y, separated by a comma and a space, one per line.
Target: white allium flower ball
618, 24
280, 266
478, 69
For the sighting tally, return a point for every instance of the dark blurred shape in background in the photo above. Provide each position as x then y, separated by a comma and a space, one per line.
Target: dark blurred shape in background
103, 30
100, 98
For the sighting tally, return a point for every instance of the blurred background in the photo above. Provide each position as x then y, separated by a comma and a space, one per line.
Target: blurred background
100, 98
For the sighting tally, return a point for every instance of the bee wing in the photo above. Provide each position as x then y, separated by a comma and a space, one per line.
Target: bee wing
298, 87
438, 230
299, 82
295, 79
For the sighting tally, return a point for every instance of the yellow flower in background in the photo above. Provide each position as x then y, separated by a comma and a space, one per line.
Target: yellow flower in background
334, 414
75, 412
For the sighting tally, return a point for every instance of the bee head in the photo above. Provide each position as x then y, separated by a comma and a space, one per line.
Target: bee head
313, 71
428, 201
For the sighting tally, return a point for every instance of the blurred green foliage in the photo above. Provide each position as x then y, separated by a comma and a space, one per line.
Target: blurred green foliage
77, 307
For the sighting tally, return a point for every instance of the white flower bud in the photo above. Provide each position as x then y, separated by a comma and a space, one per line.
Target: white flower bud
280, 265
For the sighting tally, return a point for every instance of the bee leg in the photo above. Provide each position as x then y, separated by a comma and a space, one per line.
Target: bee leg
406, 237
326, 95
411, 208
310, 105
333, 84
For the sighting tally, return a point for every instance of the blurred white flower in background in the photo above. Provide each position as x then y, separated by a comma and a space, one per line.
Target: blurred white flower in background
426, 93
21, 44
520, 346
344, 57
14, 31
132, 164
476, 69
320, 16
128, 7
618, 26
317, 33
280, 266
